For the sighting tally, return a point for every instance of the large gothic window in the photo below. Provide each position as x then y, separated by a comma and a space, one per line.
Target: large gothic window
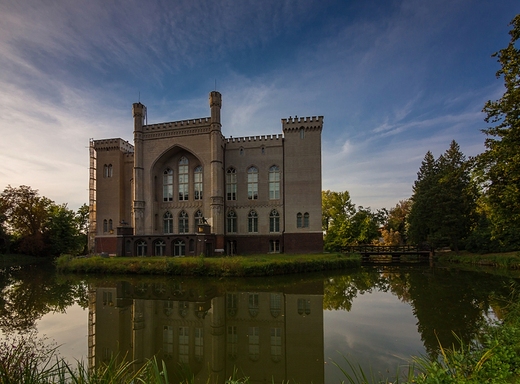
168, 223
197, 182
274, 183
179, 248
252, 183
168, 185
183, 179
231, 184
183, 222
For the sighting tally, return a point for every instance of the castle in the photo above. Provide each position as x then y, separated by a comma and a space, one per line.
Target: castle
185, 189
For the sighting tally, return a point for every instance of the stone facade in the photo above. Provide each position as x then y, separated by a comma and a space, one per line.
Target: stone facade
185, 189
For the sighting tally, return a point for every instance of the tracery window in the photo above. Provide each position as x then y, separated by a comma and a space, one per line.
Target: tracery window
304, 307
179, 248
274, 221
197, 182
274, 182
274, 246
231, 222
168, 223
252, 183
252, 222
107, 170
183, 179
141, 248
168, 185
183, 222
231, 184
159, 248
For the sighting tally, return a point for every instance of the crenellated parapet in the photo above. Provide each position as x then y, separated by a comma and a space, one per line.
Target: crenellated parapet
191, 123
249, 139
307, 123
113, 144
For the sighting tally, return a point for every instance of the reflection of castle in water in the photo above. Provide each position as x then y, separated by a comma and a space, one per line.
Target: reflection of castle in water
266, 335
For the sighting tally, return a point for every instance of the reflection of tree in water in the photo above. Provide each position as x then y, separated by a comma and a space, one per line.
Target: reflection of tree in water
29, 292
445, 302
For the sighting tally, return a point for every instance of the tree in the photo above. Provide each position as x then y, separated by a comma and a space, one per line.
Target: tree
344, 225
26, 216
500, 162
38, 226
444, 200
394, 232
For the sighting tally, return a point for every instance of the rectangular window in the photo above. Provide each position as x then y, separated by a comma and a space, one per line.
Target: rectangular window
254, 343
274, 246
168, 340
276, 343
184, 345
231, 184
197, 186
199, 344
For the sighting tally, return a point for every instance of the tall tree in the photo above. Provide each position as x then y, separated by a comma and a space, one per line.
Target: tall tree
444, 200
500, 163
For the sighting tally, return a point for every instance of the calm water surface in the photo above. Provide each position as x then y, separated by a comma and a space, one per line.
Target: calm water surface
290, 327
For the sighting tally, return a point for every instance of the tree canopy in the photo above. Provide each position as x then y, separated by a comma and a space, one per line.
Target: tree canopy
35, 225
499, 165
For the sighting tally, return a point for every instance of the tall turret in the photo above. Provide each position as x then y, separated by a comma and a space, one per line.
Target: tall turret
217, 170
139, 113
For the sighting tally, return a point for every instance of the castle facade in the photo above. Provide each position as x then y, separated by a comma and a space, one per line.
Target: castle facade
183, 188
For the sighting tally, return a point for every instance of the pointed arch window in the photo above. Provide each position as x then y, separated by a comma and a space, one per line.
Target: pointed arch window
231, 222
183, 222
179, 248
299, 220
168, 185
252, 222
159, 248
141, 248
105, 225
274, 182
197, 182
274, 221
252, 183
110, 226
306, 220
231, 184
168, 223
183, 179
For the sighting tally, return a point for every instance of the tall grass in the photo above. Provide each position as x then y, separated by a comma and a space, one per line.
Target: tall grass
236, 266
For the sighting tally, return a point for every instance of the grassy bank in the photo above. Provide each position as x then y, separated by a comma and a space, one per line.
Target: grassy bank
236, 266
509, 260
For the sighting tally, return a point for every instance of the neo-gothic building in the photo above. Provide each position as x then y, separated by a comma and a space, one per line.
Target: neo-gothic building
185, 189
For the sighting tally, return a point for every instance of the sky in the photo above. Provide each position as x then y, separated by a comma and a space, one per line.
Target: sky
392, 78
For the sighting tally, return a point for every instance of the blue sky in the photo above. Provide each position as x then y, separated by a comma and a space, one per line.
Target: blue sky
393, 79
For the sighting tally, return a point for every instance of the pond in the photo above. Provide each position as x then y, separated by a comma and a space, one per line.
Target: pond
274, 329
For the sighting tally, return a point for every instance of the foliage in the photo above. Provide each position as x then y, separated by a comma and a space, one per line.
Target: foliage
258, 265
443, 200
500, 163
37, 226
344, 225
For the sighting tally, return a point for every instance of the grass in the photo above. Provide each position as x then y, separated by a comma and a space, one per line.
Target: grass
509, 260
235, 266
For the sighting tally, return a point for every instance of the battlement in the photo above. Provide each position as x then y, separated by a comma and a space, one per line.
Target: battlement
249, 139
113, 144
292, 123
191, 123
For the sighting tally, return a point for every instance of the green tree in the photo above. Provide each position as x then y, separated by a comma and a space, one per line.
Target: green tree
443, 201
26, 216
62, 231
344, 225
500, 162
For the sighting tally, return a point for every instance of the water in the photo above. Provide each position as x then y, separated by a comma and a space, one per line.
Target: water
289, 327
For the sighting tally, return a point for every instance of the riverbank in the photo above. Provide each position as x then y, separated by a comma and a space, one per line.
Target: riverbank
508, 260
230, 266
